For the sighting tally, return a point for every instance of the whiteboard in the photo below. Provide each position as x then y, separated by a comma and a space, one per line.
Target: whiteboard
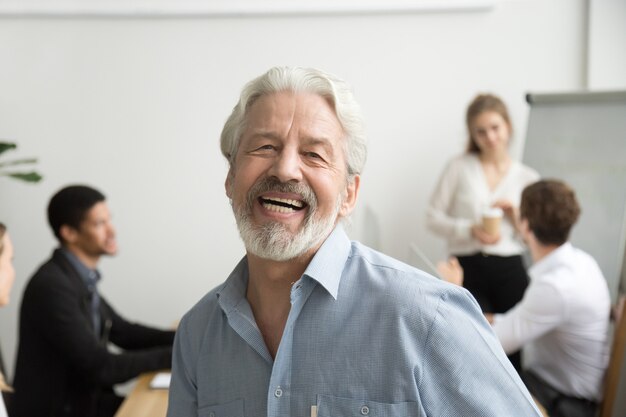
581, 139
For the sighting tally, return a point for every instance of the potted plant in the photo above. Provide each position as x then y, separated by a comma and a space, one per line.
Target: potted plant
28, 176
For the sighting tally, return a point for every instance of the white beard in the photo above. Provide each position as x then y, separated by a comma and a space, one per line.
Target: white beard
273, 240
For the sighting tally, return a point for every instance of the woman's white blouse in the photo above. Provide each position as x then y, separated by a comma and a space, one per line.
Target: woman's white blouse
460, 197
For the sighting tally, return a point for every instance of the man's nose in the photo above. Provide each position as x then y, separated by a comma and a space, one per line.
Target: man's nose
286, 166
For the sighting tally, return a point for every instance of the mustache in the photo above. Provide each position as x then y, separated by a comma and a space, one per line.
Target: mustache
269, 184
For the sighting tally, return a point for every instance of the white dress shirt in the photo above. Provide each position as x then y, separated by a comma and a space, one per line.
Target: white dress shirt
562, 322
460, 198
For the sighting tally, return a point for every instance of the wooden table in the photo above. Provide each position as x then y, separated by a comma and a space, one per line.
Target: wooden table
144, 401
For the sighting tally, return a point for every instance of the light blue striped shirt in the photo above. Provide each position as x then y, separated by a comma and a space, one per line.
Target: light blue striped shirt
366, 336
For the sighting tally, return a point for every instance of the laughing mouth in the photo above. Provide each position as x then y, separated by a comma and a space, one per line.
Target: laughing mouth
282, 205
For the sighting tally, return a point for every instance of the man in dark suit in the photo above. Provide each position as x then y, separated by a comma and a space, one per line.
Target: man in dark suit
64, 367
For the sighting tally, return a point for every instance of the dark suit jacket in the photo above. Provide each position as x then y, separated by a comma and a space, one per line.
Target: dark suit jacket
63, 368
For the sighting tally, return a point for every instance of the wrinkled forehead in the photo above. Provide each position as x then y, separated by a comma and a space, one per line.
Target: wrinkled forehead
306, 111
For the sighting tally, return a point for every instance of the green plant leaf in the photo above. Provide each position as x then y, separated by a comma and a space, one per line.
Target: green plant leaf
5, 146
32, 176
19, 162
24, 176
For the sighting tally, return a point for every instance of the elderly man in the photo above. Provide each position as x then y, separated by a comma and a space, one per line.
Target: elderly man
309, 323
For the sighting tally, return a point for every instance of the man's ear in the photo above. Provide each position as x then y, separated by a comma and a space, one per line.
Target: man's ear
352, 192
228, 184
68, 233
523, 224
524, 229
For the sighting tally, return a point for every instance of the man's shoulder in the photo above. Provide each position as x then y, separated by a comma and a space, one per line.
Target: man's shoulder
373, 281
382, 264
203, 309
571, 274
586, 271
49, 271
568, 261
585, 258
51, 277
403, 282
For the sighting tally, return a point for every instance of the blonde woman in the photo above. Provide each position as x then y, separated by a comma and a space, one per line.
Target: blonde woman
484, 177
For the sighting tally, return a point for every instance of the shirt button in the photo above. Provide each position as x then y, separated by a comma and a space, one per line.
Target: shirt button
278, 393
211, 414
365, 410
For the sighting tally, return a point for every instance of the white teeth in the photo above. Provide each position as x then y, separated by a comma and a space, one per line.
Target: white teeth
271, 204
295, 203
279, 209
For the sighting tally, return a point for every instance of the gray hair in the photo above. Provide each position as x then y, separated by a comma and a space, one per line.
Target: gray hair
297, 80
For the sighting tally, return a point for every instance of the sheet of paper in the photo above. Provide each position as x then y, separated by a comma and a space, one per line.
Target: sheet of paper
161, 380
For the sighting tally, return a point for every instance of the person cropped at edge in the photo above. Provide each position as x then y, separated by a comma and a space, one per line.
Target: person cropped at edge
564, 315
7, 277
308, 322
63, 365
484, 176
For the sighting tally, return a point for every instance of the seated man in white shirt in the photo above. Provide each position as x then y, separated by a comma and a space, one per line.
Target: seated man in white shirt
563, 320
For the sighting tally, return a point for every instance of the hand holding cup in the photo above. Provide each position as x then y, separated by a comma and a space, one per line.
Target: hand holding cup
492, 218
487, 231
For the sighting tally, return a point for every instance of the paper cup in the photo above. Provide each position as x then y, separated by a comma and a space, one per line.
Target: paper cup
492, 217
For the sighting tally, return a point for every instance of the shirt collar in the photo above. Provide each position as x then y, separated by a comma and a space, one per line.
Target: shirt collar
325, 268
328, 263
89, 276
551, 260
233, 291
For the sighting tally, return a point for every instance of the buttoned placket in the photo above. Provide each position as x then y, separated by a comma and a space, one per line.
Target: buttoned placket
279, 390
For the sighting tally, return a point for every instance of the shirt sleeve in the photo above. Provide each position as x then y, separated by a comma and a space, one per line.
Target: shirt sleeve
437, 218
182, 400
465, 371
133, 336
53, 307
541, 310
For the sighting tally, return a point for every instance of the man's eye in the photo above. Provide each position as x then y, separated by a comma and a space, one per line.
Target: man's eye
263, 148
313, 155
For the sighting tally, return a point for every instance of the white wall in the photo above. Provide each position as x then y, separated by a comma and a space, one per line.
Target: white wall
607, 45
135, 108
